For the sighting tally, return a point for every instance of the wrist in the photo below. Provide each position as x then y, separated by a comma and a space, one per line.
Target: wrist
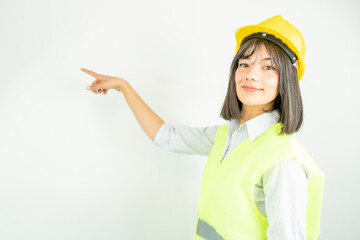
122, 87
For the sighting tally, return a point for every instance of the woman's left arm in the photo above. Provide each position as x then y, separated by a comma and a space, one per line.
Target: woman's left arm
285, 189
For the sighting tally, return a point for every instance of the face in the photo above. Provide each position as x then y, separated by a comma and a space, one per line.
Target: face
257, 72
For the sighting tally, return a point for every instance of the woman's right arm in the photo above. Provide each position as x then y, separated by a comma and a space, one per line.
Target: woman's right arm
176, 138
185, 139
148, 120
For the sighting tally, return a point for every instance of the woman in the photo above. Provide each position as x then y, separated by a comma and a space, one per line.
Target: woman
258, 182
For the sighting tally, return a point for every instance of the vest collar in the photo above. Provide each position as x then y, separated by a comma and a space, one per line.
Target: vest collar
257, 125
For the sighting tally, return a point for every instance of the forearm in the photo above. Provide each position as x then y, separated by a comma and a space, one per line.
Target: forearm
149, 121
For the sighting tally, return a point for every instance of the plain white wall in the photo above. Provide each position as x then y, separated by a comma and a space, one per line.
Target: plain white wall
75, 165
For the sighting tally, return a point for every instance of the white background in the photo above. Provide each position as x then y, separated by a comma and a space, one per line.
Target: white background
75, 165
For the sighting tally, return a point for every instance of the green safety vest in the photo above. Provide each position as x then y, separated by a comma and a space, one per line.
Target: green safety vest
227, 208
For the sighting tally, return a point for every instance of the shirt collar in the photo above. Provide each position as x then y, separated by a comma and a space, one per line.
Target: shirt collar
257, 125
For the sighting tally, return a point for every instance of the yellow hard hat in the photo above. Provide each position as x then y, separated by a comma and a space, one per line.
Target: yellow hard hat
292, 41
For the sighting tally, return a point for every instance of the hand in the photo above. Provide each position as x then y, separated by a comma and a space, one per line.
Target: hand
104, 83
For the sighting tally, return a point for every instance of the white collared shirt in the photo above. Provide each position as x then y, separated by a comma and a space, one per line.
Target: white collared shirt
281, 192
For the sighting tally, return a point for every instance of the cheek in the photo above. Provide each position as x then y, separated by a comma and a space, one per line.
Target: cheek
273, 86
239, 74
238, 78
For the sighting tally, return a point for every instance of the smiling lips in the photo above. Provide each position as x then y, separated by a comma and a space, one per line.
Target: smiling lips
250, 88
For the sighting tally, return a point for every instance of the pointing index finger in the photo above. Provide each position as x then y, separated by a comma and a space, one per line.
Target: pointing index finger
94, 74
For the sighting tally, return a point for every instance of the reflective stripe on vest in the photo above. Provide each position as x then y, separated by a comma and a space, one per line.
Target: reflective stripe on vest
227, 208
207, 231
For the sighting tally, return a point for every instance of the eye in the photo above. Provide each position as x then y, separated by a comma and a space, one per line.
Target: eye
243, 65
269, 68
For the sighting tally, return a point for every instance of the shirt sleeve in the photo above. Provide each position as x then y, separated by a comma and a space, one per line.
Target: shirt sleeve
285, 189
185, 139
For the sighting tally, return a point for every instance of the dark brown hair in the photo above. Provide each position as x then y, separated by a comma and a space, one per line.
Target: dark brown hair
288, 101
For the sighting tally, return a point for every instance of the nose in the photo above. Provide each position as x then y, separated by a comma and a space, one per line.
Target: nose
252, 73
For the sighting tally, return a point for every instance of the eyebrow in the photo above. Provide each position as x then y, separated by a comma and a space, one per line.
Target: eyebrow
273, 59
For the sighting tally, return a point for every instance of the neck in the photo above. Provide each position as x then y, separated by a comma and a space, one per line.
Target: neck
249, 112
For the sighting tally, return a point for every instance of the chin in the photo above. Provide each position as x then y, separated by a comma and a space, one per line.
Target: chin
250, 102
